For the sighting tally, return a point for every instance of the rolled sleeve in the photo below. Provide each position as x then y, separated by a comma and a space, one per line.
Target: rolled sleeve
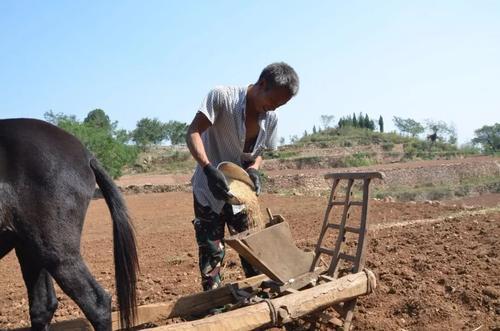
212, 104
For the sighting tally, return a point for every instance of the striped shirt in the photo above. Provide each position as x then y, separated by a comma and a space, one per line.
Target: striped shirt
224, 107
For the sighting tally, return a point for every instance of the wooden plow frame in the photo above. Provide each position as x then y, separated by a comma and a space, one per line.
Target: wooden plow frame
293, 284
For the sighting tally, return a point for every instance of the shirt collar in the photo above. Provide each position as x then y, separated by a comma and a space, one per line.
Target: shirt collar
262, 116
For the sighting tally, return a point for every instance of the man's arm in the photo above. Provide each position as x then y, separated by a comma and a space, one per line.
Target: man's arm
253, 172
257, 163
216, 181
199, 124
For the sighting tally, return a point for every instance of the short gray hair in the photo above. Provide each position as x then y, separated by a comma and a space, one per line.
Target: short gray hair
280, 74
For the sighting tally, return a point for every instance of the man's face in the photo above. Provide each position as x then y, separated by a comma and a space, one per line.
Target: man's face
270, 99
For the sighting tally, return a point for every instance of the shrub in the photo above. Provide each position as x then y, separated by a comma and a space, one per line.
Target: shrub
439, 194
388, 146
357, 160
393, 154
409, 151
310, 160
105, 142
283, 154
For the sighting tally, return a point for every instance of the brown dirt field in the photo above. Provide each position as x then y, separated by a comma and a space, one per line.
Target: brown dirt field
439, 276
143, 179
432, 276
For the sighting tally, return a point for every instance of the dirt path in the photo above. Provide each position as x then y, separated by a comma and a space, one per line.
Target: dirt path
170, 179
143, 179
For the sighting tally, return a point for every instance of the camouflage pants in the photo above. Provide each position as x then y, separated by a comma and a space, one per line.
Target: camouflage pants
209, 228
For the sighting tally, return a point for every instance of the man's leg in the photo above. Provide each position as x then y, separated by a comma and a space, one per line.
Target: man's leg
237, 223
209, 228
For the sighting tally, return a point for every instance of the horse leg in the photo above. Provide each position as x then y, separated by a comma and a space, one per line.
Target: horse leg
41, 295
75, 280
7, 243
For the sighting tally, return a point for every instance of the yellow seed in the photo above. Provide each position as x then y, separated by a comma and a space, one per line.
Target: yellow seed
245, 195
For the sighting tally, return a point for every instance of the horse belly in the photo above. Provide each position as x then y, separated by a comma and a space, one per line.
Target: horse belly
6, 200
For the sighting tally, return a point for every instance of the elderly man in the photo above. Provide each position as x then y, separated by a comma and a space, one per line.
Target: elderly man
233, 124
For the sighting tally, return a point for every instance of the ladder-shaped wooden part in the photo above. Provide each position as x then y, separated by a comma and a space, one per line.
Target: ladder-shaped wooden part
336, 254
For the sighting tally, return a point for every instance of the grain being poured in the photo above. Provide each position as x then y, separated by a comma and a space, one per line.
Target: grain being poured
245, 195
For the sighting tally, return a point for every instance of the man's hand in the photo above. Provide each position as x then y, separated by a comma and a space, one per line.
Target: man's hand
255, 177
216, 182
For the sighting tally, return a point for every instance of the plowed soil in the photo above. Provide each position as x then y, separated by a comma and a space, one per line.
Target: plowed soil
440, 273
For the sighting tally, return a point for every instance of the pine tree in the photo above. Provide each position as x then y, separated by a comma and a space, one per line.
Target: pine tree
314, 129
354, 121
366, 122
381, 123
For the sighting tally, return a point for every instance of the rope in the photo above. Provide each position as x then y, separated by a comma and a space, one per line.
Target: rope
274, 313
370, 281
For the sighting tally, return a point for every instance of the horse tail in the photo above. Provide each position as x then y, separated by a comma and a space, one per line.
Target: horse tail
124, 246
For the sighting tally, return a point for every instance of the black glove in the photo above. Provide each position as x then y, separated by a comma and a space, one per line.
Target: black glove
216, 182
255, 177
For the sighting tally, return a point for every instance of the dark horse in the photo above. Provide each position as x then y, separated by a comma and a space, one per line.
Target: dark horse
47, 179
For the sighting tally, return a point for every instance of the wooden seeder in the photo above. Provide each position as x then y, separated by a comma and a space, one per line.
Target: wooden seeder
294, 283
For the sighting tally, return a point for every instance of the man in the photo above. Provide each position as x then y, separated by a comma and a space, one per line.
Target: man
233, 124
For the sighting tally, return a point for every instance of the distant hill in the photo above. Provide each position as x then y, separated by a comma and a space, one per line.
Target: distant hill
331, 148
359, 147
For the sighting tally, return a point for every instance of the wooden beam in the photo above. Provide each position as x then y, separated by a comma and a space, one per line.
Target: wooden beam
185, 306
193, 304
78, 324
284, 309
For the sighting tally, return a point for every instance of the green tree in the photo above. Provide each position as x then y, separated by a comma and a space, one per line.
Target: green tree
354, 121
109, 146
345, 121
366, 122
123, 136
293, 139
314, 129
440, 130
381, 123
176, 132
148, 132
371, 125
59, 119
326, 120
408, 126
361, 121
98, 118
488, 137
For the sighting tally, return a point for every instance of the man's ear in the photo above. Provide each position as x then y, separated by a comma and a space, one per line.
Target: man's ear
262, 84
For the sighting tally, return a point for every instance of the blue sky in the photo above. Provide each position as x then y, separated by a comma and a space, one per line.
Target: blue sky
135, 59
